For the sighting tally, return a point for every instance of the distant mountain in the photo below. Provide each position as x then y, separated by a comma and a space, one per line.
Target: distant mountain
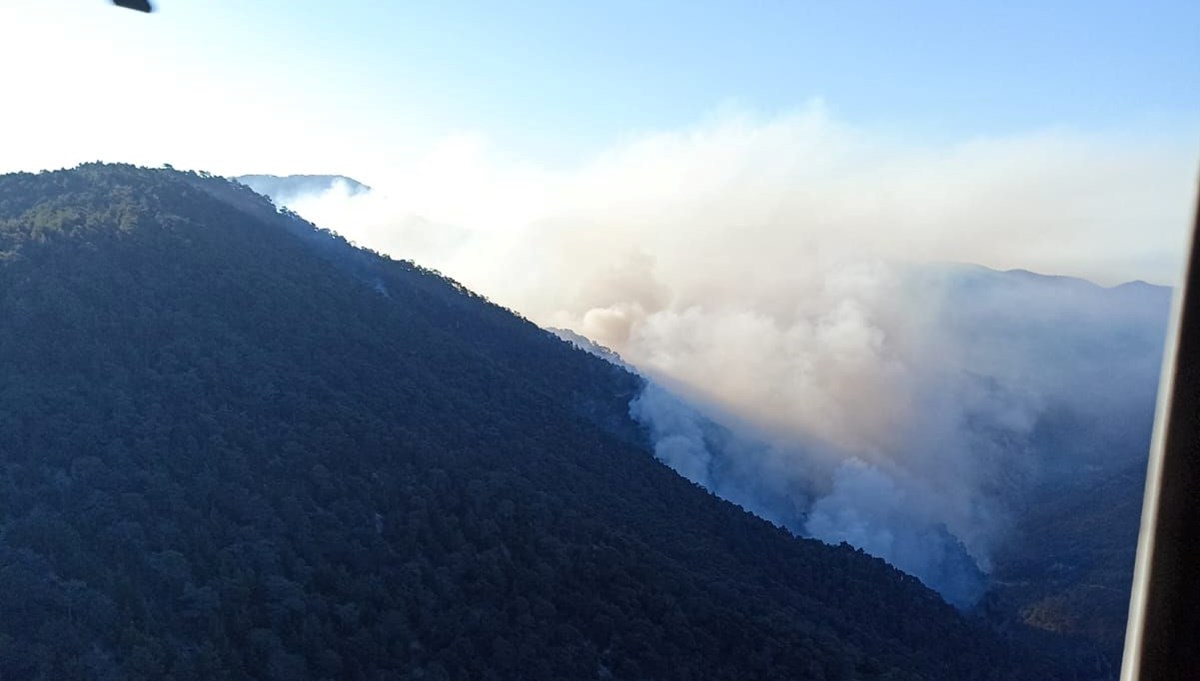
234, 446
1087, 358
283, 188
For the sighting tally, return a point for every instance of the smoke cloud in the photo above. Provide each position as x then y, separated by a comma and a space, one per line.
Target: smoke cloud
868, 509
773, 275
678, 433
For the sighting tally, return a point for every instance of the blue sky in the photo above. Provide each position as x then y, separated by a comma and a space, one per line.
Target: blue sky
597, 69
553, 81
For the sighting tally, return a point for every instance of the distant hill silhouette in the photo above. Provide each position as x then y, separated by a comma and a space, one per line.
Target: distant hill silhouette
282, 188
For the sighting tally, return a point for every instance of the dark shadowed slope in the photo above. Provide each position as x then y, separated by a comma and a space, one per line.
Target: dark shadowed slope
1068, 568
231, 446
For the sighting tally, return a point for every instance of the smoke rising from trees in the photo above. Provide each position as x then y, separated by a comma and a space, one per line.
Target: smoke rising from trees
776, 273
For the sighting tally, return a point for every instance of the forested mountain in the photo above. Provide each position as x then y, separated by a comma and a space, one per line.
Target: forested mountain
232, 446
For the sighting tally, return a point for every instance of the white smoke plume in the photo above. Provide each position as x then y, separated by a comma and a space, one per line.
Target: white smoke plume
678, 433
770, 270
870, 510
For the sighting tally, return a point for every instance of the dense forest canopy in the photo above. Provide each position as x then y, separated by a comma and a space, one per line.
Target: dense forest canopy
232, 446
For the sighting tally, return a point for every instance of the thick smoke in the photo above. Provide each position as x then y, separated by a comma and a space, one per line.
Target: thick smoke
868, 509
1029, 379
678, 433
770, 272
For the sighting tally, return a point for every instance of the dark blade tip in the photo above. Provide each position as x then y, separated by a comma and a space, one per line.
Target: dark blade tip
139, 5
